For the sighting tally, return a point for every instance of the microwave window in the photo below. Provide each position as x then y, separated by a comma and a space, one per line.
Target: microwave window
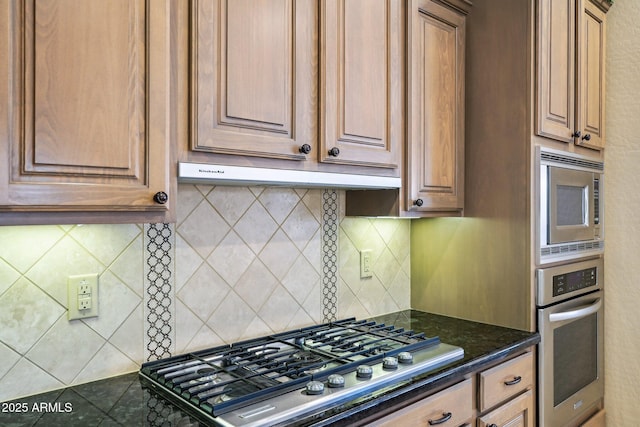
571, 209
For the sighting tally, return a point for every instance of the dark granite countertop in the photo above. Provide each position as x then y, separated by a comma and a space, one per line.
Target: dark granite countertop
122, 401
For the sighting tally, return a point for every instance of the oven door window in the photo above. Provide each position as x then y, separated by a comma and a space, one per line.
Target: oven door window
575, 357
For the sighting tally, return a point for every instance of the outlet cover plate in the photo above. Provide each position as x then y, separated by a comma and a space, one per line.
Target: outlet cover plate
82, 291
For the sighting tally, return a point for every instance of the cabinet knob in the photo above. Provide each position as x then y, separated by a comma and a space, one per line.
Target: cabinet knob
334, 152
576, 134
305, 148
161, 197
418, 202
587, 137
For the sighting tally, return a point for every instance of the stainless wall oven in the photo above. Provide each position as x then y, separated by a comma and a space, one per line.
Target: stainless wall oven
570, 300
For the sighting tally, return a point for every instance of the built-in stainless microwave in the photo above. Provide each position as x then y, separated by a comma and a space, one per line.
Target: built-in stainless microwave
570, 208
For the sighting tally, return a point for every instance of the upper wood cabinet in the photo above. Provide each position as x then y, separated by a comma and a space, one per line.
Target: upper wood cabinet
254, 72
571, 71
361, 82
435, 90
85, 115
316, 82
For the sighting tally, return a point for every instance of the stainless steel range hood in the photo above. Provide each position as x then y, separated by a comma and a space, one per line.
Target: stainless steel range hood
199, 173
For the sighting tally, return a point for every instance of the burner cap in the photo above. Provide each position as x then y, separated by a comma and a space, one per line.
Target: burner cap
306, 357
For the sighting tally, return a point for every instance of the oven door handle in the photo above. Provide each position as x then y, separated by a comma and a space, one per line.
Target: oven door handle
576, 314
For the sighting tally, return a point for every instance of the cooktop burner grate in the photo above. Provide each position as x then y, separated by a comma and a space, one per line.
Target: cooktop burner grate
221, 379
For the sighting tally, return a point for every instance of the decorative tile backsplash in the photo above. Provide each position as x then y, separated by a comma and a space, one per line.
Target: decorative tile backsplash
240, 262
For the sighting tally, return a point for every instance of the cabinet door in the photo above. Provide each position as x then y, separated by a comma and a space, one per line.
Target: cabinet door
591, 63
556, 69
253, 80
515, 413
361, 76
435, 136
84, 116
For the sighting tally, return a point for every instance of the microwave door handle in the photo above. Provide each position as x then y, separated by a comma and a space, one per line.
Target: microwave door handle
576, 314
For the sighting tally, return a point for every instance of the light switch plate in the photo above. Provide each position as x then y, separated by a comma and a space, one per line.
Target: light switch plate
82, 296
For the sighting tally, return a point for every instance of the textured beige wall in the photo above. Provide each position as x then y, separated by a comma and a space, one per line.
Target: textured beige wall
622, 179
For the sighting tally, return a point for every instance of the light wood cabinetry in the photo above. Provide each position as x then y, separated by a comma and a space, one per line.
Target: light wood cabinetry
361, 82
571, 71
254, 77
298, 84
499, 396
85, 118
598, 420
435, 117
450, 407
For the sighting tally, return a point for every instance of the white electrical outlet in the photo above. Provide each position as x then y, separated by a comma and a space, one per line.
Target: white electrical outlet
366, 268
82, 296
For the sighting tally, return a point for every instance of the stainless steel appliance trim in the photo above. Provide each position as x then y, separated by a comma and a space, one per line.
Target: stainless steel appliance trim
577, 313
566, 247
544, 285
242, 175
591, 394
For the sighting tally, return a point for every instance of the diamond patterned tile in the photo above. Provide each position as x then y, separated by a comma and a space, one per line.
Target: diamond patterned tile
312, 304
400, 290
116, 302
203, 229
129, 337
313, 251
231, 318
300, 226
256, 285
300, 320
18, 248
256, 227
25, 379
257, 328
386, 267
356, 229
128, 267
301, 279
105, 242
204, 338
272, 312
313, 201
26, 313
400, 245
204, 291
372, 295
8, 357
386, 227
279, 254
106, 361
62, 341
231, 258
65, 259
231, 202
279, 202
187, 262
187, 326
8, 276
188, 199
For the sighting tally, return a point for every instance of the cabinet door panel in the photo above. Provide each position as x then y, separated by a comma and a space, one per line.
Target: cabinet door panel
435, 154
515, 413
591, 60
253, 77
87, 113
556, 69
361, 82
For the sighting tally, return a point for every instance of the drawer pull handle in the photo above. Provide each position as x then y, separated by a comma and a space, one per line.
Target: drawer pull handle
514, 381
446, 416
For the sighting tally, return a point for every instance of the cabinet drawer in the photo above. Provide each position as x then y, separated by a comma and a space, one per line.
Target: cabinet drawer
452, 406
517, 412
598, 420
504, 381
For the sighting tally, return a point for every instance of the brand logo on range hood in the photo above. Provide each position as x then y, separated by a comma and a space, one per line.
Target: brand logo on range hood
241, 175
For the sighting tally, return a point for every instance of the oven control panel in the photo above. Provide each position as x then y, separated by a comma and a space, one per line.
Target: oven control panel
562, 282
574, 281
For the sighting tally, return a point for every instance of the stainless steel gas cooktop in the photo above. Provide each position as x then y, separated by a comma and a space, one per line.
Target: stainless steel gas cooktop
282, 378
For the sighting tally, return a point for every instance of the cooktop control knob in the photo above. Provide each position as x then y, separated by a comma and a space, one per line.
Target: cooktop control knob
335, 381
364, 371
315, 387
405, 357
390, 363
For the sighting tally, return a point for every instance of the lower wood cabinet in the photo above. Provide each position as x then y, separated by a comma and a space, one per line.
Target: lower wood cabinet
452, 406
499, 396
598, 420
